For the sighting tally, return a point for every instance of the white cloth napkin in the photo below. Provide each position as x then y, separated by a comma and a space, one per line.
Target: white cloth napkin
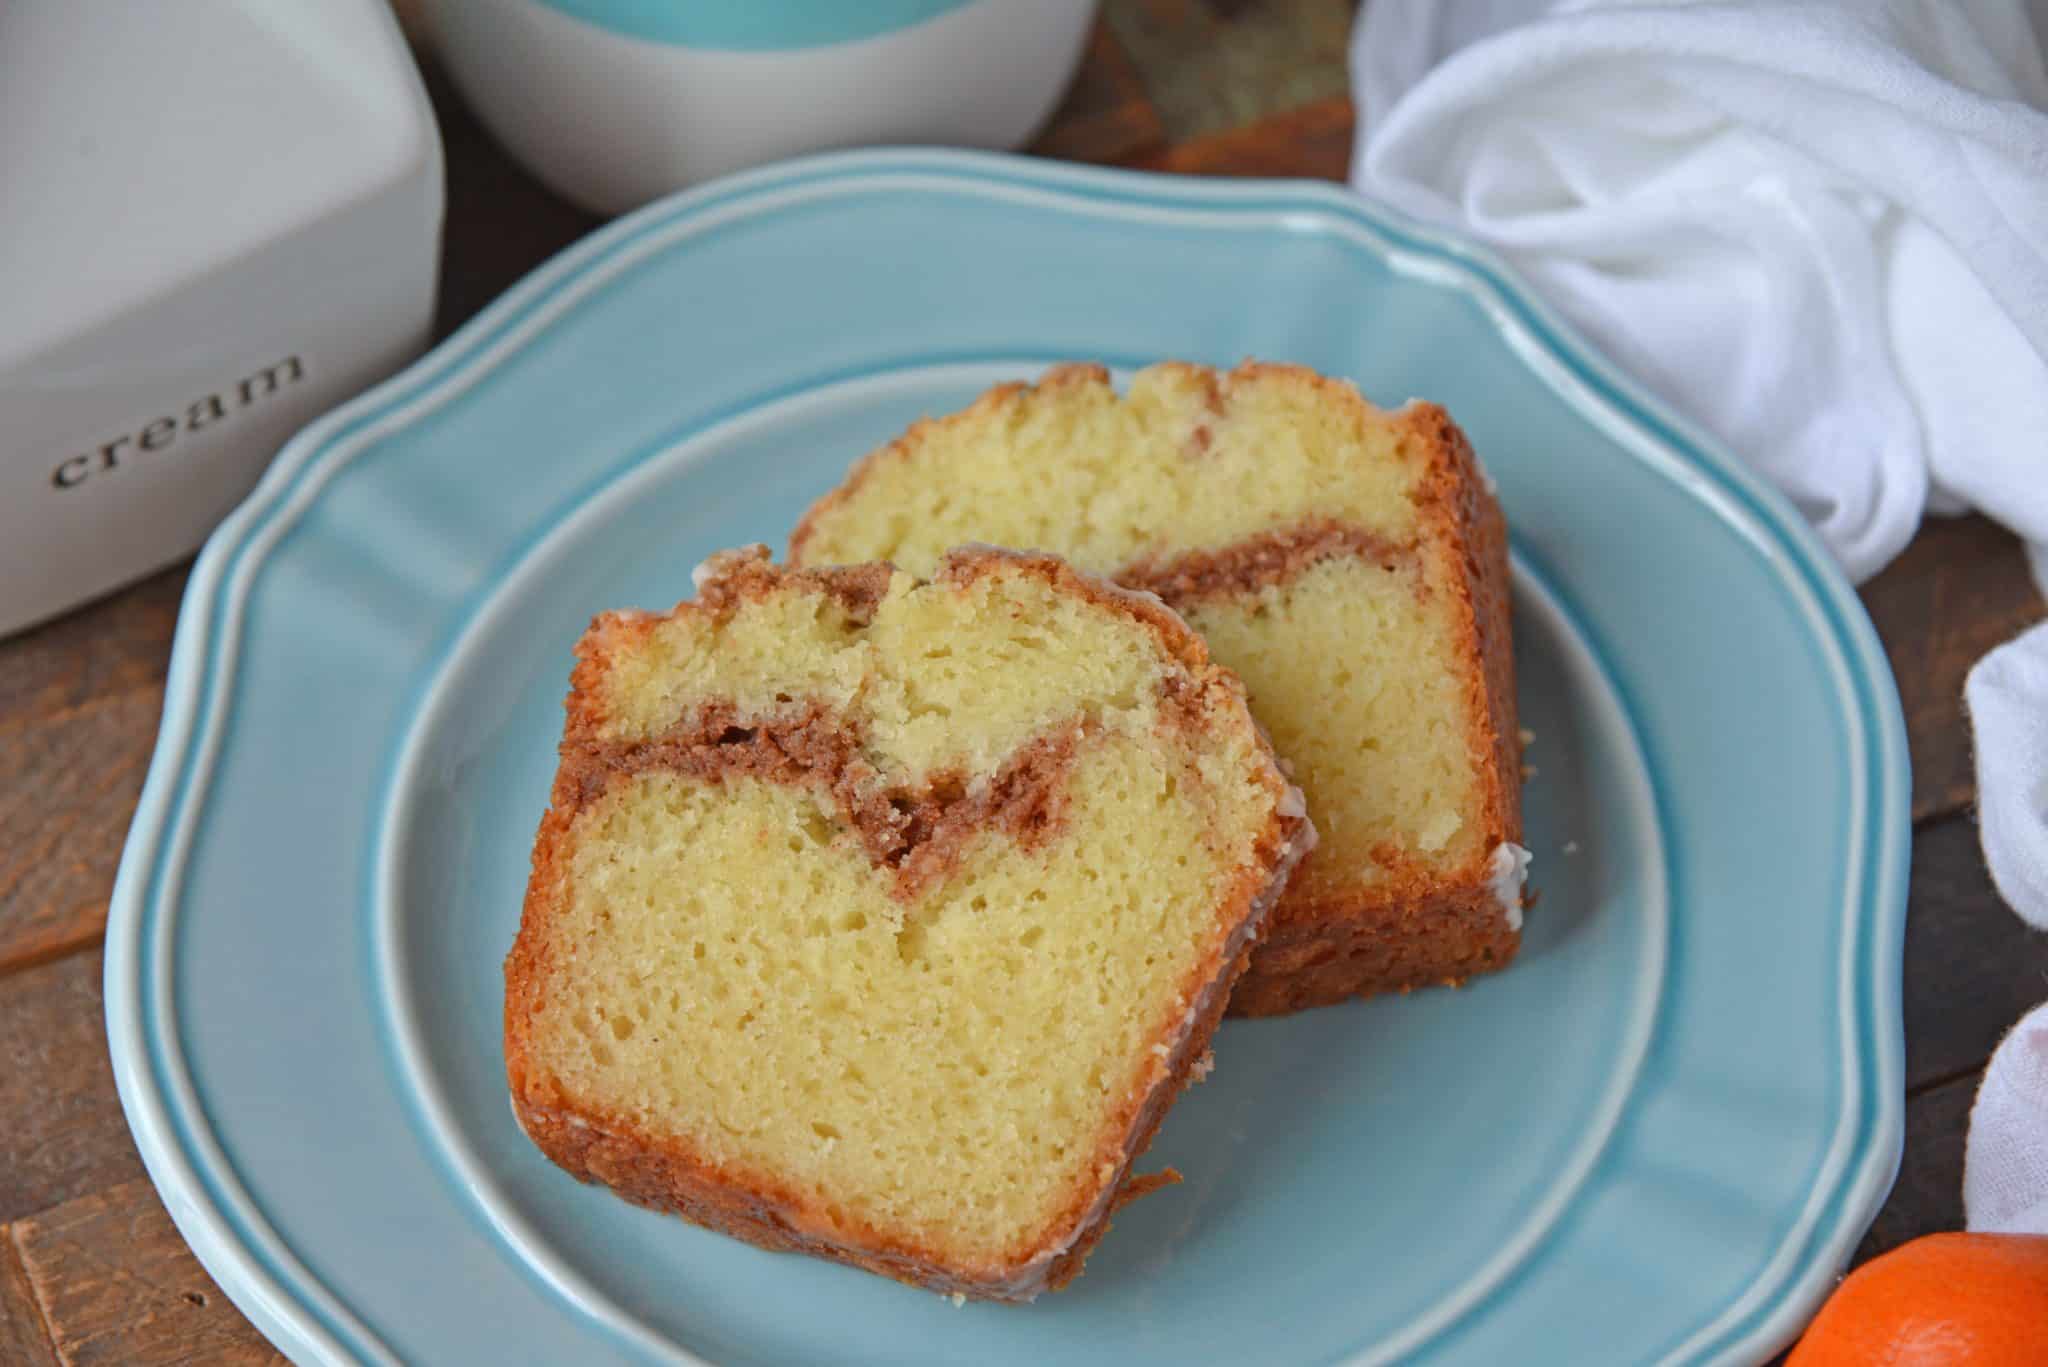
2007, 694
1820, 229
2005, 1175
2005, 1172
1817, 227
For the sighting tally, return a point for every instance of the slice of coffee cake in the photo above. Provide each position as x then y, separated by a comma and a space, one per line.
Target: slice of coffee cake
883, 920
1350, 564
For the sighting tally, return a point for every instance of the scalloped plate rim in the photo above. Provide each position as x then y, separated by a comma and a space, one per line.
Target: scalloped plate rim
255, 1264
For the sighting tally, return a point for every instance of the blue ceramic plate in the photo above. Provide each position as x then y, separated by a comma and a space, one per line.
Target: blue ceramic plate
1654, 1140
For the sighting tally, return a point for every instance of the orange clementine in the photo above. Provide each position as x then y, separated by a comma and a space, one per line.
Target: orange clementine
1945, 1300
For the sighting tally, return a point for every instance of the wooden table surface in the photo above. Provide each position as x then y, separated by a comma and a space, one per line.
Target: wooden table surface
91, 1269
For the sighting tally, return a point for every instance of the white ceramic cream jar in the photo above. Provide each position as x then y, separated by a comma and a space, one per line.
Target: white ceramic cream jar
216, 222
616, 102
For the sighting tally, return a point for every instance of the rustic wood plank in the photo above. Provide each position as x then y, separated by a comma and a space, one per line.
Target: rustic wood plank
24, 1339
1959, 589
64, 817
61, 1130
1311, 141
1106, 116
116, 1284
1972, 966
1928, 1197
119, 644
1215, 66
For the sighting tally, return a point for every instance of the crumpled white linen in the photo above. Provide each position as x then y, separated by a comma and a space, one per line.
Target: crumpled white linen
1819, 228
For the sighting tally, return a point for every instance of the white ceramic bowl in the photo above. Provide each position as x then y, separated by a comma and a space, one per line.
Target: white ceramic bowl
617, 102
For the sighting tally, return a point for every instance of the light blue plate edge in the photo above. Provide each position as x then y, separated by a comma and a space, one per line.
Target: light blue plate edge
257, 1267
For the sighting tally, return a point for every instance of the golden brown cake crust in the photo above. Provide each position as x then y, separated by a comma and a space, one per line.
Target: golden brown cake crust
1415, 927
1393, 944
668, 1175
666, 1172
1420, 928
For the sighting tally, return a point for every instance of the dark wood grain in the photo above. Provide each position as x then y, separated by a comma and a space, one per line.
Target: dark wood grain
61, 1131
116, 645
1105, 116
79, 698
115, 1284
1209, 67
1959, 589
60, 836
24, 1337
1313, 141
1928, 1197
1959, 932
